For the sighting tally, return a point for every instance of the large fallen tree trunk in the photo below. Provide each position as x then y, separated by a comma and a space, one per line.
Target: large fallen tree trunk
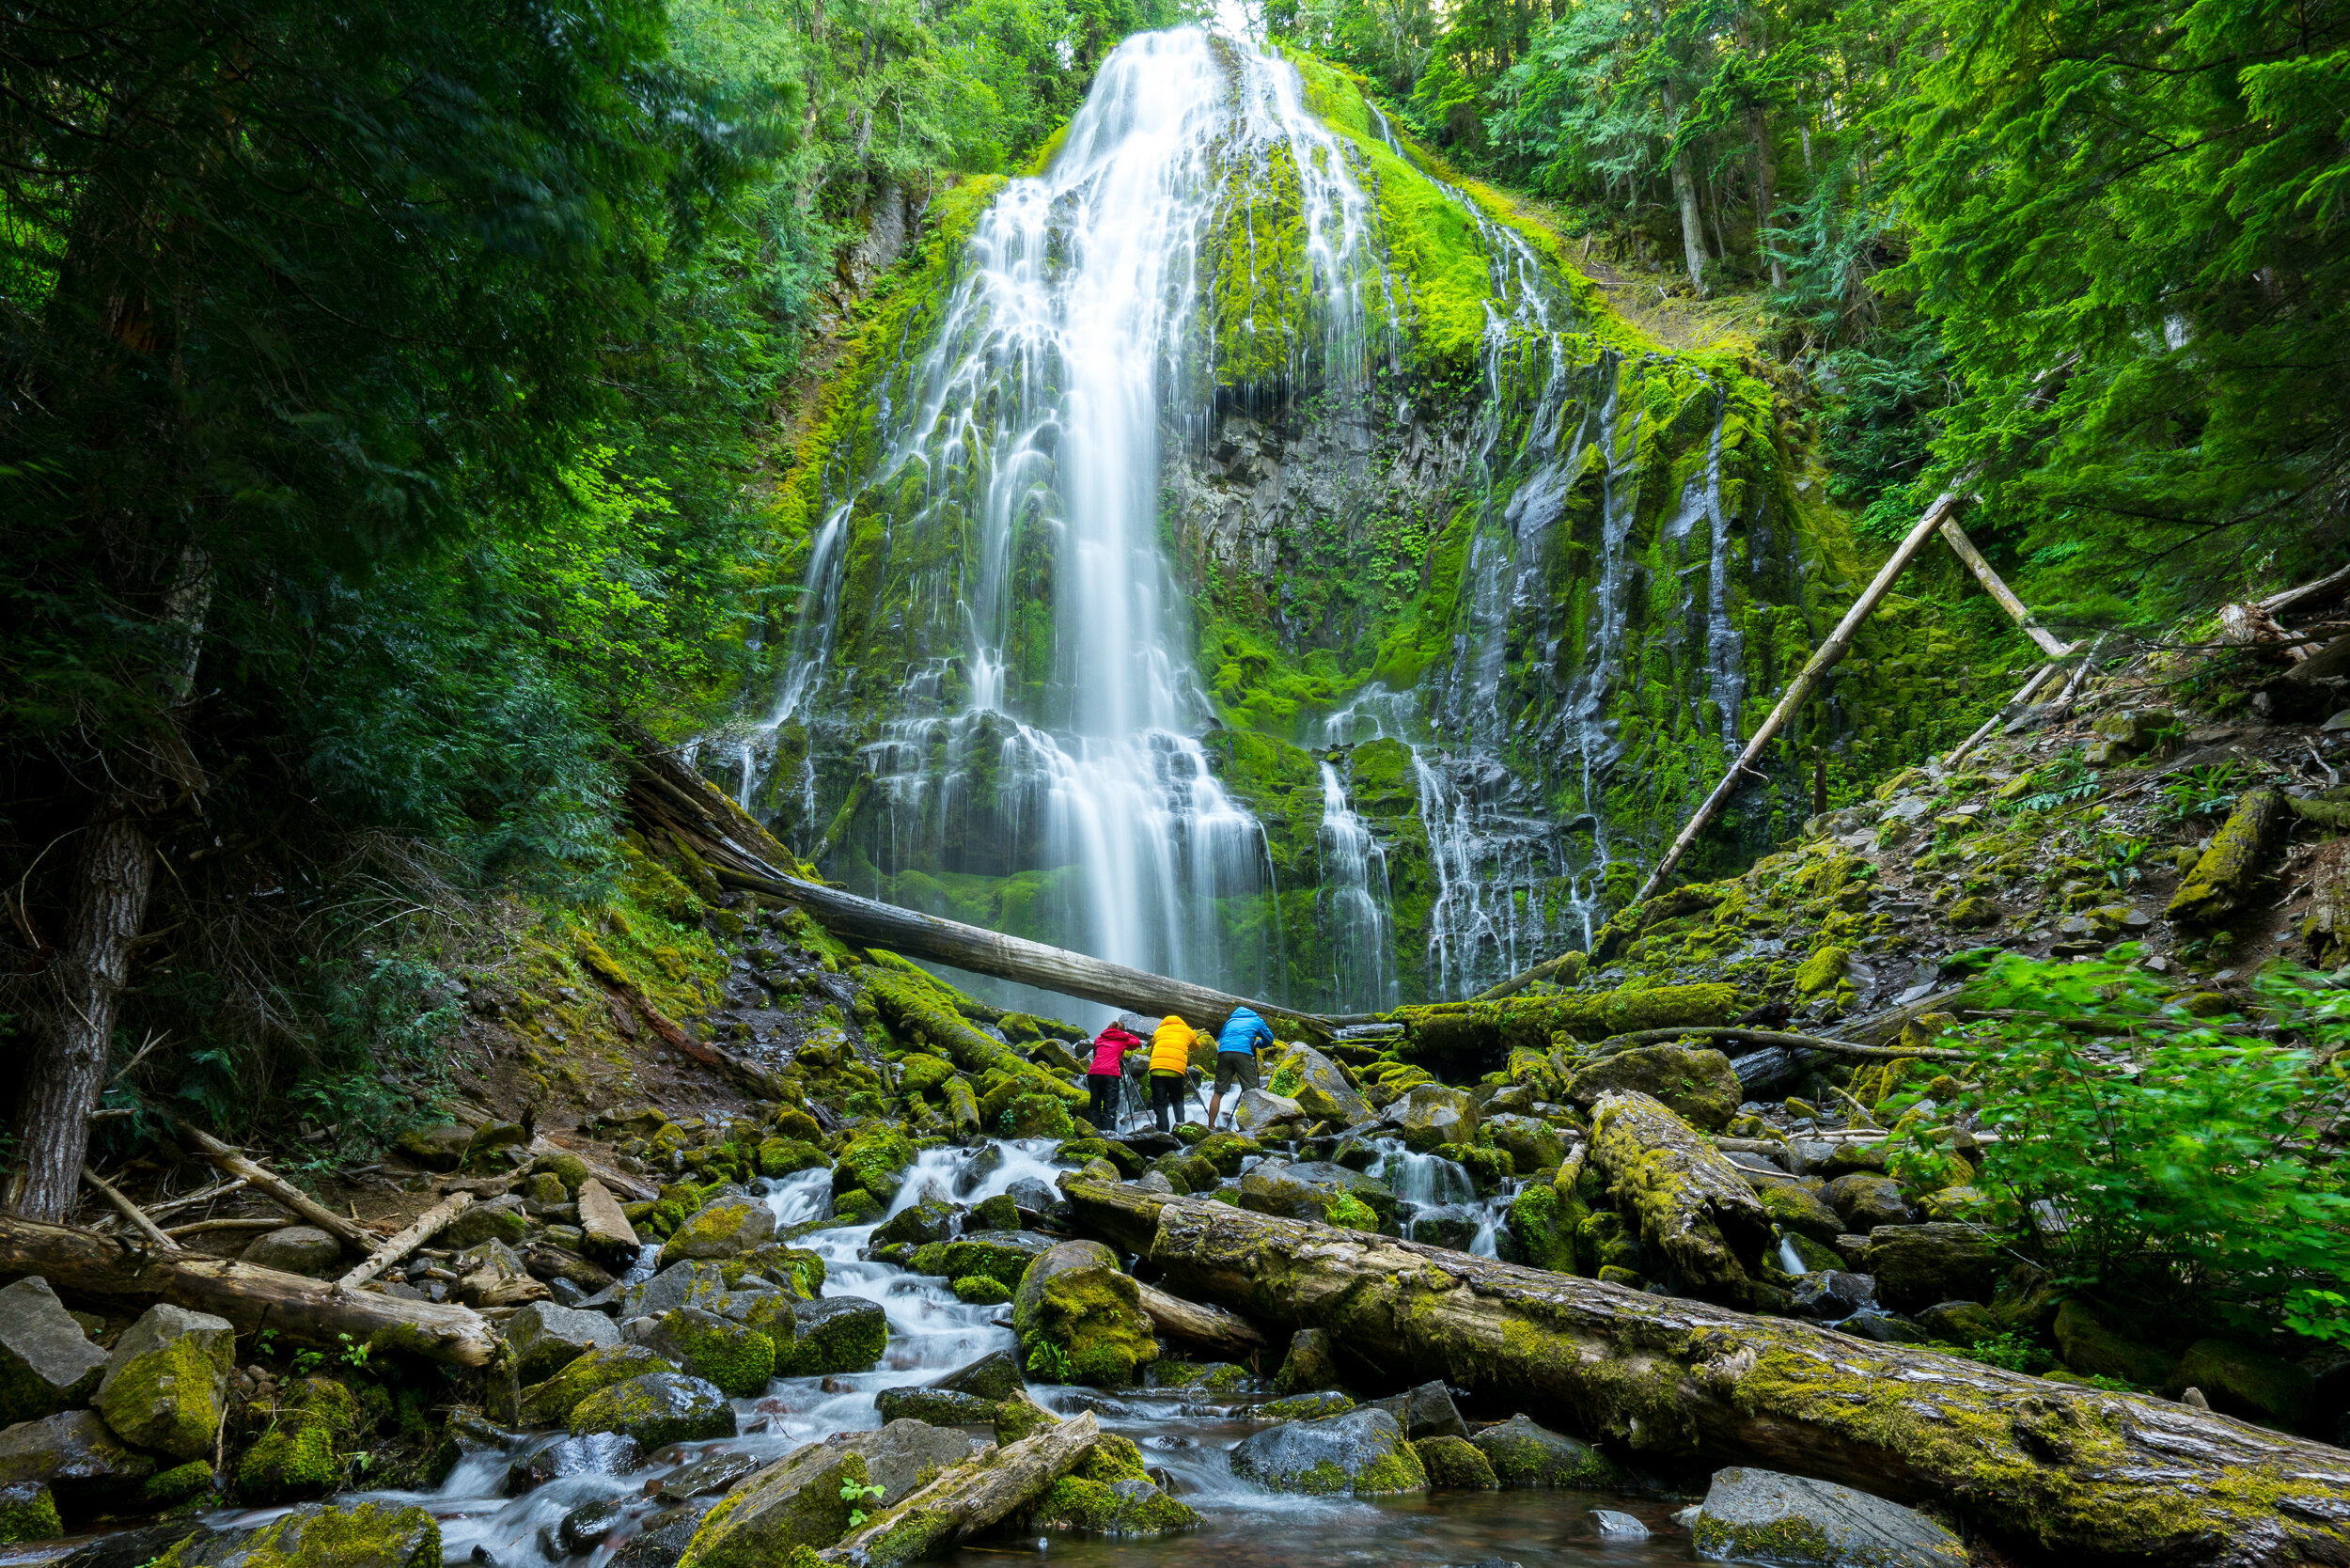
1227, 1334
685, 805
2118, 1477
306, 1311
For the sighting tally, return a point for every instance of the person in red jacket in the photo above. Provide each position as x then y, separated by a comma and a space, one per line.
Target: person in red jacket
1107, 1073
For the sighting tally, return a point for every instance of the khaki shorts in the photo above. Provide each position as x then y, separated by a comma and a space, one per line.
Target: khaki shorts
1232, 1066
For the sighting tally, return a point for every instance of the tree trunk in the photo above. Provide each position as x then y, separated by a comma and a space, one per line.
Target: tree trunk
1685, 198
969, 1498
112, 875
306, 1311
1765, 192
1227, 1334
2050, 1466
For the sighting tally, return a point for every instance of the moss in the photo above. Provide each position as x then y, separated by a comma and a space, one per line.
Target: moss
738, 1359
1823, 971
2235, 863
979, 1290
1021, 1417
974, 1255
1543, 1225
875, 1159
302, 1454
1076, 1313
1351, 1213
751, 1528
920, 1073
180, 1483
550, 1403
785, 1156
1305, 1407
28, 1512
645, 1409
378, 1535
170, 1399
1036, 1116
1453, 1461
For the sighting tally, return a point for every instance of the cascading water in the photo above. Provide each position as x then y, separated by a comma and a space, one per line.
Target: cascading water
1355, 890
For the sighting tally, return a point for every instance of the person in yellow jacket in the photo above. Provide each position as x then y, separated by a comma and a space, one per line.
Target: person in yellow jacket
1170, 1057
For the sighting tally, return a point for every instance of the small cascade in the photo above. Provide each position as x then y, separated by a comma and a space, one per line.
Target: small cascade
1354, 901
1438, 1199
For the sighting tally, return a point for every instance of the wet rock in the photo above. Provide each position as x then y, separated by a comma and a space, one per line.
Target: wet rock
796, 1502
705, 1477
28, 1511
77, 1457
1307, 1364
1832, 1294
699, 1283
546, 1339
1426, 1411
597, 1453
1692, 1206
1960, 1322
1362, 1451
663, 1541
1917, 1265
1525, 1454
1317, 1190
550, 1403
657, 1409
1798, 1211
1077, 1311
584, 1528
1001, 1255
1885, 1328
46, 1362
2238, 1380
1111, 1493
726, 1227
1305, 1408
302, 1249
1534, 1145
303, 1452
1257, 1113
937, 1406
994, 1376
834, 1334
737, 1358
1759, 1515
1432, 1114
501, 1219
1322, 1092
317, 1535
1619, 1525
606, 1234
1450, 1231
441, 1147
134, 1548
1700, 1086
165, 1384
1032, 1194
1867, 1201
497, 1147
1455, 1463
934, 1219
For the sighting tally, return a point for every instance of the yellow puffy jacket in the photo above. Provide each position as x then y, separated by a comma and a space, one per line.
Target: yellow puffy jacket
1170, 1045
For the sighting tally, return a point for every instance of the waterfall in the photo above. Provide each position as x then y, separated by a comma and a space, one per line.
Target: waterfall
1355, 905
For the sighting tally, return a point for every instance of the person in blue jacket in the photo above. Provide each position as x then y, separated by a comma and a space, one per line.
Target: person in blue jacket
1236, 1046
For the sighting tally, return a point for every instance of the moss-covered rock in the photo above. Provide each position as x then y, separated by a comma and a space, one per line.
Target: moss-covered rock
1917, 1265
192, 1482
1455, 1463
1003, 1256
1525, 1454
1310, 1362
656, 1409
47, 1363
874, 1160
980, 1290
921, 1072
797, 1503
78, 1457
1020, 1417
1531, 1144
1472, 1039
29, 1513
736, 1358
1691, 1205
937, 1406
1080, 1320
2223, 879
835, 1334
1543, 1224
350, 1535
165, 1384
304, 1451
932, 1219
1798, 1211
788, 1156
1360, 1450
1305, 1407
550, 1403
2089, 1345
1699, 1085
1110, 1493
1432, 1114
1760, 1516
723, 1228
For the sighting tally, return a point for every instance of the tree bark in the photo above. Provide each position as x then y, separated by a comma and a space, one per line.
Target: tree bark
969, 1498
1228, 1334
306, 1312
2047, 1466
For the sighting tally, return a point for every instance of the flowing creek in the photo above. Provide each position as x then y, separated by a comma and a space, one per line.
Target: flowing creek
1187, 1432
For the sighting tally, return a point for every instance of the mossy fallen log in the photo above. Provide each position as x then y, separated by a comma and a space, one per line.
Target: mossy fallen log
1471, 1038
2234, 864
2118, 1477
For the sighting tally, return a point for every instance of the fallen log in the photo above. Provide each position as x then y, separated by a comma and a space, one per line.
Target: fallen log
429, 1224
1774, 1037
1228, 1334
2114, 1477
278, 1190
132, 1212
966, 1500
306, 1311
1574, 959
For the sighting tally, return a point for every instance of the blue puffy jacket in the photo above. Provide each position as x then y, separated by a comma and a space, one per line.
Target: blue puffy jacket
1244, 1032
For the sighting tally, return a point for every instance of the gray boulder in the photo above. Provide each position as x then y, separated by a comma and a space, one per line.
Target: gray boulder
937, 1406
1362, 1451
1533, 1144
1918, 1266
1867, 1201
723, 1227
1307, 1189
1322, 1092
1762, 1517
77, 1456
164, 1385
1525, 1454
687, 1284
796, 1502
662, 1541
705, 1477
46, 1362
597, 1453
1432, 1114
546, 1339
1257, 1112
657, 1409
302, 1249
605, 1233
1426, 1411
499, 1219
993, 1377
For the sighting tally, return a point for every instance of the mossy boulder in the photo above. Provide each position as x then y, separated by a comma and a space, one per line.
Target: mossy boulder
932, 1219
1080, 1319
1029, 1115
1318, 1084
656, 1409
1310, 1362
726, 1227
182, 1484
2089, 1346
164, 1385
1692, 1207
1455, 1463
789, 1156
1001, 1255
1110, 1493
1316, 1189
1433, 1114
1918, 1266
302, 1249
1225, 1151
835, 1334
1305, 1408
349, 1535
795, 1503
980, 1290
47, 1363
937, 1406
1532, 1144
28, 1511
1699, 1085
1798, 1211
696, 1282
921, 1073
1079, 1150
303, 1452
1360, 1450
1525, 1454
1021, 1417
77, 1457
550, 1403
874, 1160
545, 1338
2238, 1380
499, 1219
736, 1358
992, 1376
1543, 1223
1760, 1517
436, 1147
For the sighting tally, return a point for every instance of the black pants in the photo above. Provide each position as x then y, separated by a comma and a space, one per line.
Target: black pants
1166, 1100
1103, 1088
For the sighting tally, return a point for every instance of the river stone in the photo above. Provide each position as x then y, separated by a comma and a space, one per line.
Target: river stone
351, 1535
994, 1378
1533, 1144
165, 1384
76, 1456
46, 1361
1761, 1517
1322, 1092
135, 1548
1917, 1265
1256, 1113
490, 1275
657, 1409
1432, 1114
735, 1356
1075, 1301
606, 1232
597, 1453
937, 1406
1692, 1206
1362, 1451
2238, 1380
705, 1477
500, 1219
546, 1339
727, 1227
1797, 1210
1700, 1086
1310, 1189
441, 1147
1833, 1294
1003, 1256
696, 1283
1867, 1201
934, 1219
835, 1334
1309, 1364
1455, 1461
796, 1502
583, 1529
302, 1249
1525, 1454
1426, 1411
550, 1403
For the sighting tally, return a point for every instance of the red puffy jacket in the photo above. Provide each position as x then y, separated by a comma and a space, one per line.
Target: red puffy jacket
1109, 1052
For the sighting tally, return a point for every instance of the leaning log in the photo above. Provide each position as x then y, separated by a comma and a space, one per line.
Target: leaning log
430, 1224
1211, 1328
304, 1311
2116, 1476
966, 1500
278, 1190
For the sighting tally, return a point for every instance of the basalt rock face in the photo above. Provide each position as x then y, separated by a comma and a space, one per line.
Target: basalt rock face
1301, 580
